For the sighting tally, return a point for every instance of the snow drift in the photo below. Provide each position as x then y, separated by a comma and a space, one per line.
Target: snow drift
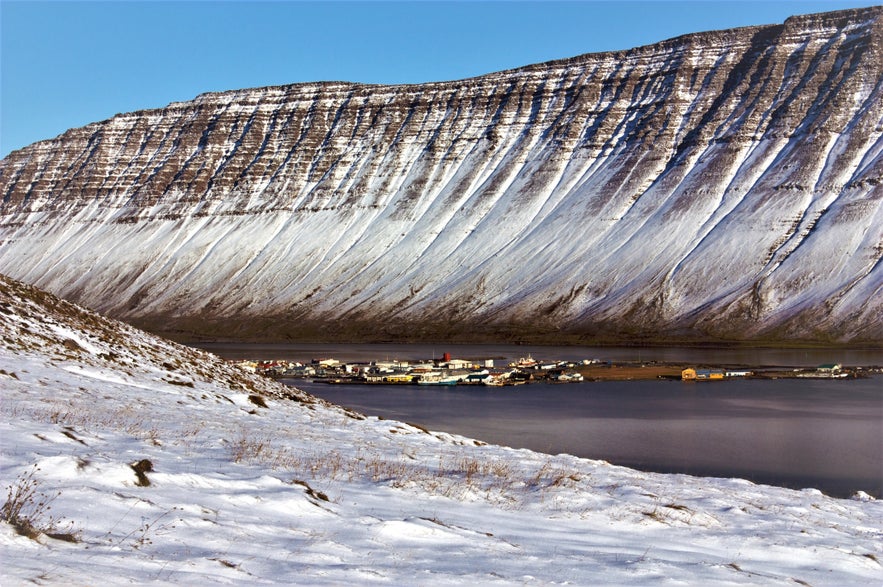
717, 185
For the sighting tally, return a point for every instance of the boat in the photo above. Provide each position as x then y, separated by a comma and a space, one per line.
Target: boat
524, 362
570, 377
437, 379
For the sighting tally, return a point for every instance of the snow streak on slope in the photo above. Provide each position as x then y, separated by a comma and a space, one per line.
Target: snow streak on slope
723, 184
251, 482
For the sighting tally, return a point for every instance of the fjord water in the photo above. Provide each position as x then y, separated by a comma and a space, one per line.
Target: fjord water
824, 434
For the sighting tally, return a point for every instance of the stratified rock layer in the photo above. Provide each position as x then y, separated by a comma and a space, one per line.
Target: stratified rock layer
722, 185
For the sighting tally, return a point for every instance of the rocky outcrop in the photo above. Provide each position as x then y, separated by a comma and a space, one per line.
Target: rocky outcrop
722, 185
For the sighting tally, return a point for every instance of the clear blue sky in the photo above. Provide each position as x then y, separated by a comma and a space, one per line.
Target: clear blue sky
64, 64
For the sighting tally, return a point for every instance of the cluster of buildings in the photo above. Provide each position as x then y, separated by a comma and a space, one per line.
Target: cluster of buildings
691, 374
826, 371
444, 371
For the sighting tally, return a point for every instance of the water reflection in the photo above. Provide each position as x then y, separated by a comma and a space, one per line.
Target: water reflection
505, 353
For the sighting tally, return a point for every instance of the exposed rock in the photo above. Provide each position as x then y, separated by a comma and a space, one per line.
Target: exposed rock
716, 185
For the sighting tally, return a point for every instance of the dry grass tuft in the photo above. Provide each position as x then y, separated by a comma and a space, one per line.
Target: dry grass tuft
27, 510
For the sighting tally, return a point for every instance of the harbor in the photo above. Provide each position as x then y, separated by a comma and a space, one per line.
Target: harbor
447, 371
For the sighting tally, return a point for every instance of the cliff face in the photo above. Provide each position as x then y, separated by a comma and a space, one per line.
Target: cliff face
717, 185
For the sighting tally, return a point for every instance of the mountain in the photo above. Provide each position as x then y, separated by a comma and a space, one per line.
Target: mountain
166, 465
716, 186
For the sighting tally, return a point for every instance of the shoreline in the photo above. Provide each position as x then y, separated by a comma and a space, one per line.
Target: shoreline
561, 372
269, 330
674, 371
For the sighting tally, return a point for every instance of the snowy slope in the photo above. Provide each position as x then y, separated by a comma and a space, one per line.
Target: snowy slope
254, 483
717, 185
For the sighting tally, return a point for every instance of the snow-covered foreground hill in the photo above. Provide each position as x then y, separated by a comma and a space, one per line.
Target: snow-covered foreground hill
252, 482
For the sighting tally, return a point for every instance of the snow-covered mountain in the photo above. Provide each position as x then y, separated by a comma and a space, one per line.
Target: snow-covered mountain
163, 464
717, 185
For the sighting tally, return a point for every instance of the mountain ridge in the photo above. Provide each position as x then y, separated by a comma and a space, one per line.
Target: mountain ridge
715, 186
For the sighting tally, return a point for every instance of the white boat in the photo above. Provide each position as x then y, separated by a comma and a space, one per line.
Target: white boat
570, 377
437, 379
524, 362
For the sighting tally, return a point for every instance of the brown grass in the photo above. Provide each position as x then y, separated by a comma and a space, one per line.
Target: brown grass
629, 372
27, 510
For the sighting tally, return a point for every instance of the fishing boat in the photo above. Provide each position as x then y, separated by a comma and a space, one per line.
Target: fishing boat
435, 378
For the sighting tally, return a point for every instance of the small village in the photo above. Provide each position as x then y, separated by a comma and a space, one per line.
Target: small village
445, 371
448, 371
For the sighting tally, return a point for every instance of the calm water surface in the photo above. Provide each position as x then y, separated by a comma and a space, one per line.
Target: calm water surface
504, 353
795, 433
